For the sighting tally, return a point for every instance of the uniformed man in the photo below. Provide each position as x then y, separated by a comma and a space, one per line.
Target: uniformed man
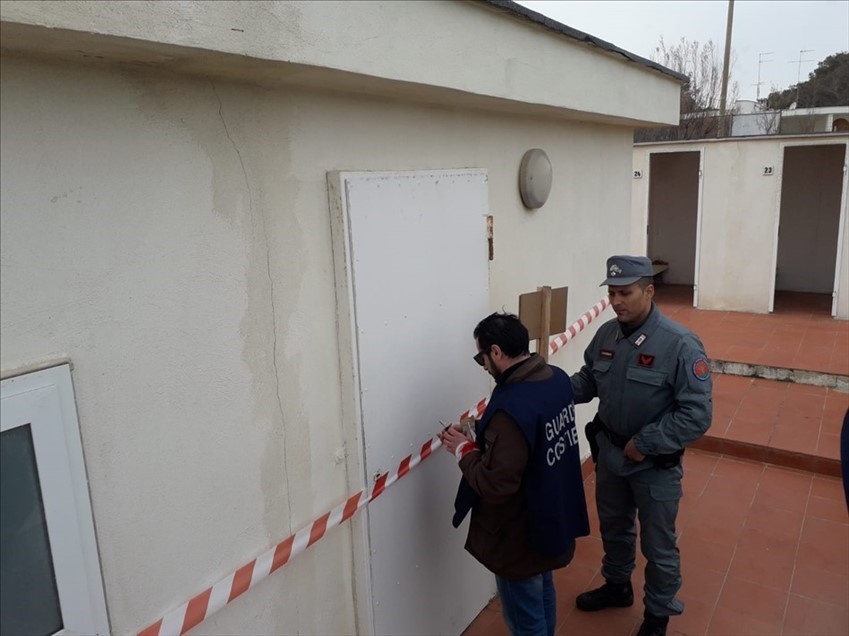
653, 382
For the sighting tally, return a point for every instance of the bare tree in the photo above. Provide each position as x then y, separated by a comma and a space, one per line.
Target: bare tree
769, 121
702, 64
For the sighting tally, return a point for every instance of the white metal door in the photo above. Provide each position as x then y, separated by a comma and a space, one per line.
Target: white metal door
416, 260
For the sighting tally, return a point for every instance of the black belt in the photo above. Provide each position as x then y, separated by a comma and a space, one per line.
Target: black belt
664, 460
619, 441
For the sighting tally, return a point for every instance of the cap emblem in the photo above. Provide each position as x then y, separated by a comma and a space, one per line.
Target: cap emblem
615, 270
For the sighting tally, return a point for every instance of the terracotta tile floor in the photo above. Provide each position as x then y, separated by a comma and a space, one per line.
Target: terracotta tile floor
765, 549
781, 415
799, 334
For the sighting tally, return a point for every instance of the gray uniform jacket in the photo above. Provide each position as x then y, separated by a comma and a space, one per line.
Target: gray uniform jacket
653, 386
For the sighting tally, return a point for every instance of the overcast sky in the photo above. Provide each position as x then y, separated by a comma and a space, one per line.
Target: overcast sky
781, 27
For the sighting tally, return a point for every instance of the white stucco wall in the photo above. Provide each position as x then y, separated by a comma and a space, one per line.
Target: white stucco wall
740, 211
171, 235
131, 243
434, 48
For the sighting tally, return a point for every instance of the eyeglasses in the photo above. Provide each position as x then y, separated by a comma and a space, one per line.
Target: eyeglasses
478, 357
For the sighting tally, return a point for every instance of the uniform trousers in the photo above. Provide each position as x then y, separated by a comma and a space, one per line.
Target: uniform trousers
652, 495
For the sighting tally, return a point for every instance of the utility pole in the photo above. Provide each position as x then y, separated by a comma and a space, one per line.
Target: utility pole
761, 61
725, 70
799, 70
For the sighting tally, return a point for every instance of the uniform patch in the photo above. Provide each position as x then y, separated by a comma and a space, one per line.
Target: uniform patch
646, 360
701, 369
640, 340
606, 354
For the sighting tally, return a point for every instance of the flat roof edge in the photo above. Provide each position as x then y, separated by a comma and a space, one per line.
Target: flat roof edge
580, 36
837, 136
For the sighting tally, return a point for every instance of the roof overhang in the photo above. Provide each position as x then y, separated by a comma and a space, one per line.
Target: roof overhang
452, 53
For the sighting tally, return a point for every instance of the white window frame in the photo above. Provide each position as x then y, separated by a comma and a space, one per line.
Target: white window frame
45, 401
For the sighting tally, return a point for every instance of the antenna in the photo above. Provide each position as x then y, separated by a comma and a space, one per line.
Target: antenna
799, 70
761, 61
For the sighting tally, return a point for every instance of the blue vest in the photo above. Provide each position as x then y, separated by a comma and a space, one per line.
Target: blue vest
553, 485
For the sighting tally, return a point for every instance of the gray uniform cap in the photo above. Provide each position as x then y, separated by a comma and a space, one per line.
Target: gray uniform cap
626, 270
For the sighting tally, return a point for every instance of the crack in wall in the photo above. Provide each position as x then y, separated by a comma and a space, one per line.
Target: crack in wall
271, 294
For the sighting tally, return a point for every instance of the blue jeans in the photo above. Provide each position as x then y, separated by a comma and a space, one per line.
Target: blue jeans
529, 605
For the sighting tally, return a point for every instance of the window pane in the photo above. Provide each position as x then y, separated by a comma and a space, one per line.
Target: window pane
29, 602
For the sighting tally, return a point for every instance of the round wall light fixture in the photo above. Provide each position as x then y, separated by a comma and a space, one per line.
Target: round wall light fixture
535, 178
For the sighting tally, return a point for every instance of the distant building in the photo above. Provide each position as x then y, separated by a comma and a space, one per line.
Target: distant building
748, 118
751, 118
741, 219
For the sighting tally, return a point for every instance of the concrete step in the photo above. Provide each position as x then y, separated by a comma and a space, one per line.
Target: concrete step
768, 455
782, 422
782, 374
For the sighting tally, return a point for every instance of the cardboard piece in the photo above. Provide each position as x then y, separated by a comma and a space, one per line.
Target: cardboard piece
543, 312
529, 311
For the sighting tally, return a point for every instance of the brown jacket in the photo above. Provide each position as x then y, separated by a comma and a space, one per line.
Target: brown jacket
497, 531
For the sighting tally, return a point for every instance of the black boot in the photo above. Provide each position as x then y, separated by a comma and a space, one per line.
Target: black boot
653, 625
608, 595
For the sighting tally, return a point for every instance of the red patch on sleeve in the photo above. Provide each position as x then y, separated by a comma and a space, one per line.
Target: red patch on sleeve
701, 369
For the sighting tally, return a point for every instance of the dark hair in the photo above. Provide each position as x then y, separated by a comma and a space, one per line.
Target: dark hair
645, 281
503, 330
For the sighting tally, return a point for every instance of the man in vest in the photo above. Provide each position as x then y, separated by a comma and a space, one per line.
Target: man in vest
653, 383
521, 477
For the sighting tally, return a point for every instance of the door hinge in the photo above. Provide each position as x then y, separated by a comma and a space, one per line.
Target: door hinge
489, 236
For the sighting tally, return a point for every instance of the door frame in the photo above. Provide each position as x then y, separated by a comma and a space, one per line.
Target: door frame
841, 232
352, 413
355, 406
699, 199
841, 223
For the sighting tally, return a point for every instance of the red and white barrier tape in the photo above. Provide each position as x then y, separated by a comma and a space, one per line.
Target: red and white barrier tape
180, 620
560, 341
